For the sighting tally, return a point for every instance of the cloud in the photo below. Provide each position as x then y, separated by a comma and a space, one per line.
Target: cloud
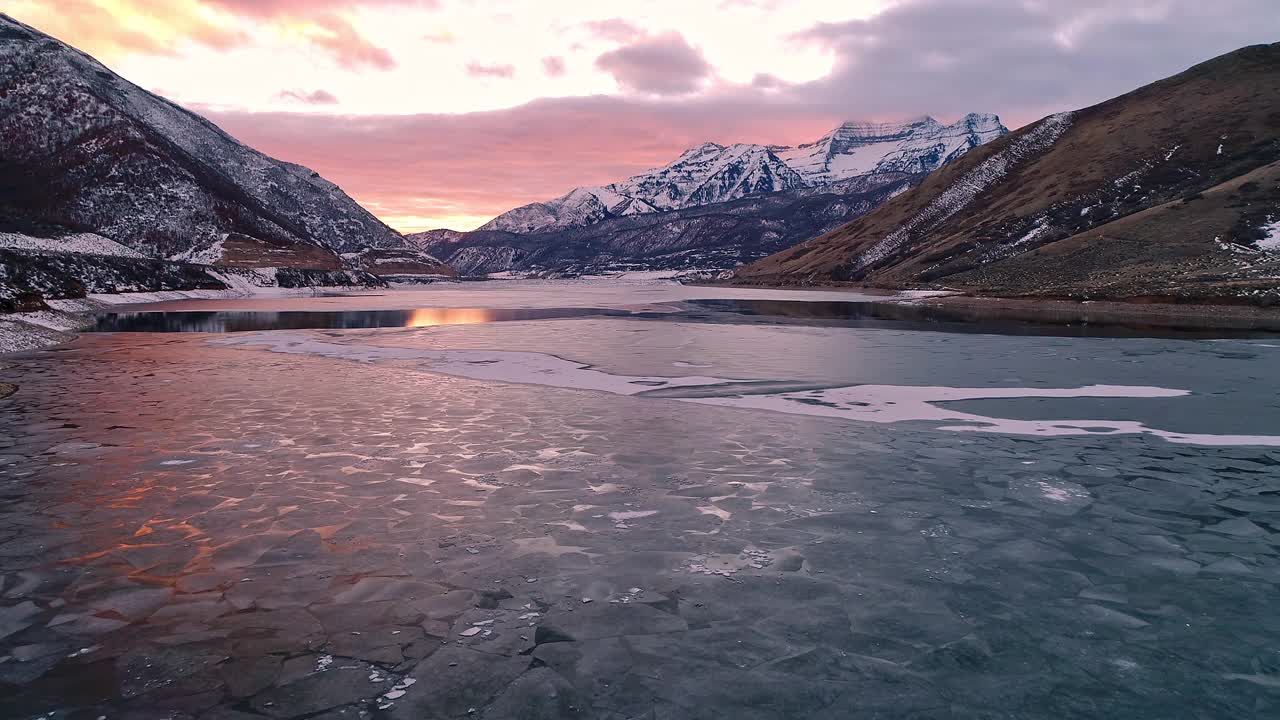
1019, 58
496, 71
348, 46
766, 81
316, 97
304, 8
553, 66
613, 30
157, 27
107, 34
425, 171
1022, 59
658, 65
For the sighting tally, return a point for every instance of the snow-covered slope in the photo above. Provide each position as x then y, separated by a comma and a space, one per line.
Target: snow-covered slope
857, 148
874, 153
1165, 193
85, 150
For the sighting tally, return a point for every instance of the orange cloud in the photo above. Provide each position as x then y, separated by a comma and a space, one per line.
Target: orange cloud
111, 28
324, 24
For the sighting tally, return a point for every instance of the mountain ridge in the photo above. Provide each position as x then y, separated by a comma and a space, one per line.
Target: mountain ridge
711, 172
86, 151
1087, 212
702, 237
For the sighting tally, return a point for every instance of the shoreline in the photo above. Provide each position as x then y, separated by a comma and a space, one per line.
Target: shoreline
61, 323
64, 318
1060, 311
1115, 312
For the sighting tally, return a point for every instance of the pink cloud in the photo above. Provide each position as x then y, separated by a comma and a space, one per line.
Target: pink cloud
614, 30
553, 66
497, 71
482, 164
348, 46
659, 65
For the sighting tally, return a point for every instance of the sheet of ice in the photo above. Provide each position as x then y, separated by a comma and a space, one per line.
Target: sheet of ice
593, 292
864, 403
900, 403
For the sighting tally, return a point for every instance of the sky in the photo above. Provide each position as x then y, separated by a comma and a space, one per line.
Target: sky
445, 113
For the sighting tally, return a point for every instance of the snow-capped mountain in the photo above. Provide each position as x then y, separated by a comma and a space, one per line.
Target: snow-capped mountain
85, 151
717, 236
918, 146
879, 153
1170, 192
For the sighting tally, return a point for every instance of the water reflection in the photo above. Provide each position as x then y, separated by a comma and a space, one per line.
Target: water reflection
426, 317
235, 321
996, 320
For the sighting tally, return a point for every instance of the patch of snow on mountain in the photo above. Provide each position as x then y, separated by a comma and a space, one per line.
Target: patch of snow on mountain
1270, 243
207, 255
714, 173
84, 243
969, 186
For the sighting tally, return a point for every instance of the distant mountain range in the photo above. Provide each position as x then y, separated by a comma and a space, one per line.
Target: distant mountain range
721, 235
87, 154
1170, 192
715, 206
875, 153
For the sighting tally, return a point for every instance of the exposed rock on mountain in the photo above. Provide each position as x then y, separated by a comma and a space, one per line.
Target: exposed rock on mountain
405, 264
868, 154
1169, 192
82, 151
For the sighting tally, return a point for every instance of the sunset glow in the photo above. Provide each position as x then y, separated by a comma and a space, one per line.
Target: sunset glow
442, 113
427, 317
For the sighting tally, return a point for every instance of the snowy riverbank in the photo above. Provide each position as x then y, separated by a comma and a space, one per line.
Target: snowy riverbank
58, 324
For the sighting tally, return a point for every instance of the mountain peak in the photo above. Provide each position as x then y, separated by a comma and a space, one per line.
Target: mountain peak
703, 149
880, 129
712, 172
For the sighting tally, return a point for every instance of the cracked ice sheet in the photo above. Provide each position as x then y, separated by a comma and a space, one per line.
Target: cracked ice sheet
865, 403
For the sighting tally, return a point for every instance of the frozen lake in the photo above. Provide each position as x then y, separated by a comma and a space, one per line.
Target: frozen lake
637, 500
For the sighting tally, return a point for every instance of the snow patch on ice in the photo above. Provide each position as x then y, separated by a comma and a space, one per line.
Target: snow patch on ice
631, 514
864, 403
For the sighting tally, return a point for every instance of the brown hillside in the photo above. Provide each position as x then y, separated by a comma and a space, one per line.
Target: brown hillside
1088, 203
